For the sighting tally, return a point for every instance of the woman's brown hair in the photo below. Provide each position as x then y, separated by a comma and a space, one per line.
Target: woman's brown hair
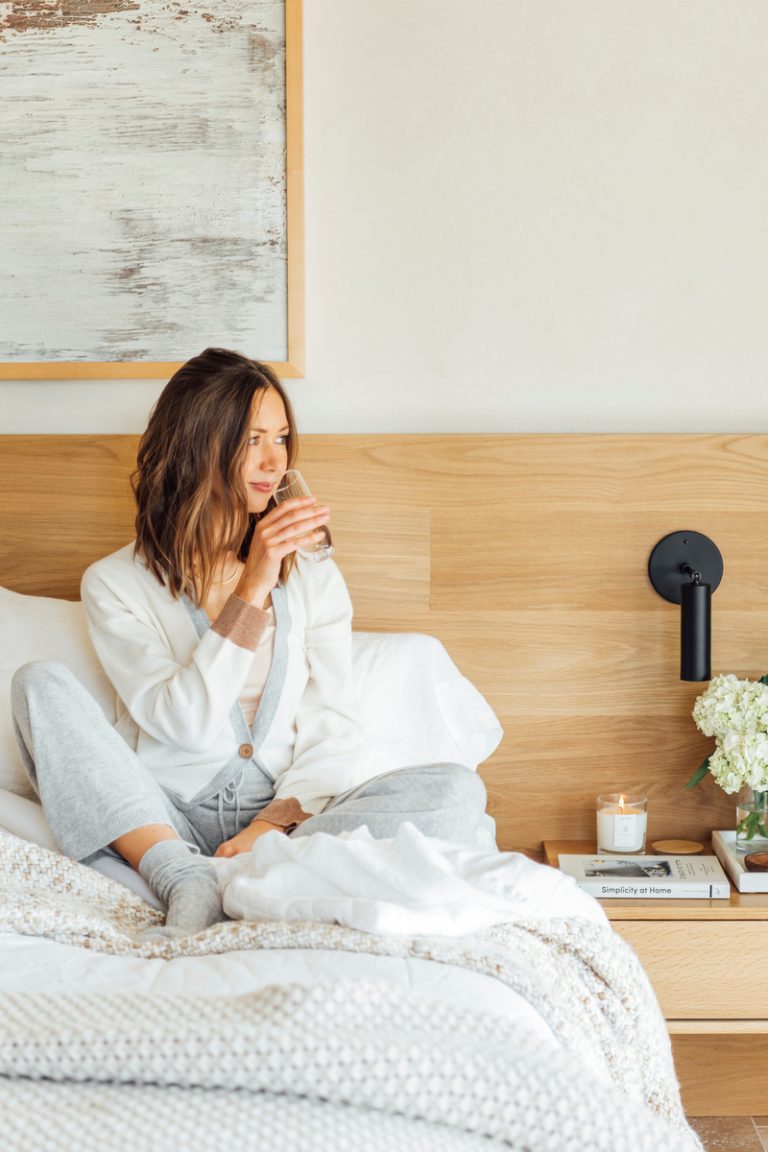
188, 484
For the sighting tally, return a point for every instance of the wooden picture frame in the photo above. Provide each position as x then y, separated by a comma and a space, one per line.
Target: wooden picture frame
290, 365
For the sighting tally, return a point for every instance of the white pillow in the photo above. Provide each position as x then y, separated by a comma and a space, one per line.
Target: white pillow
415, 705
41, 628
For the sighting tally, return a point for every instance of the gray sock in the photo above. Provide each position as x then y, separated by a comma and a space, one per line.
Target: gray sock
186, 884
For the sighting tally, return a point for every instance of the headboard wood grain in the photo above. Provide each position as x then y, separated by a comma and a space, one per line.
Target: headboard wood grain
526, 555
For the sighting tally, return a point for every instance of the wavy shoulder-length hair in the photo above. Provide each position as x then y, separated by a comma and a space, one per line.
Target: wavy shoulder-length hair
191, 499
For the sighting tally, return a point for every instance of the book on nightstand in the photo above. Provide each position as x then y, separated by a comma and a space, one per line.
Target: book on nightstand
651, 877
724, 844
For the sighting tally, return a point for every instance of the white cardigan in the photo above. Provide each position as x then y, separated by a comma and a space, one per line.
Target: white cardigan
176, 690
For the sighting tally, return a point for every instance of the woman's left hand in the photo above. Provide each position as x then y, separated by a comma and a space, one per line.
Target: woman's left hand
246, 839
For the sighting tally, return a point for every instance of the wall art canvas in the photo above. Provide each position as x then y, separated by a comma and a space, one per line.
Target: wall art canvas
144, 197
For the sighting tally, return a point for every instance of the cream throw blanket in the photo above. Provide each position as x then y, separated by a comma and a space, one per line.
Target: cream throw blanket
358, 1047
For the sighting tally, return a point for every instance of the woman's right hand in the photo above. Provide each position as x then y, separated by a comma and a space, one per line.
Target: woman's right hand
299, 520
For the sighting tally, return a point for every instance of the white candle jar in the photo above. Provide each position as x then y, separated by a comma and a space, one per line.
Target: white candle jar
621, 822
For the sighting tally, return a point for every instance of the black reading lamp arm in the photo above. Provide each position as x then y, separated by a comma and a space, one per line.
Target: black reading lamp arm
686, 568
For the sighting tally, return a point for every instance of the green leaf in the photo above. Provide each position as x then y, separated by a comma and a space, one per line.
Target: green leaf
764, 679
699, 774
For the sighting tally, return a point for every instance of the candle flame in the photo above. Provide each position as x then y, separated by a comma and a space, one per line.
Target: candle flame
621, 804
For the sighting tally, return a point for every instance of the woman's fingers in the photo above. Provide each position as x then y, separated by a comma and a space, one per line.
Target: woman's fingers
287, 508
299, 529
285, 528
300, 523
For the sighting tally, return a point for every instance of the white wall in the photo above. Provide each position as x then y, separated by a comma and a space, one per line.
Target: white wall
522, 215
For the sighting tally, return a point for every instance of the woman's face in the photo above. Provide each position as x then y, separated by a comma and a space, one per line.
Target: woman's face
267, 455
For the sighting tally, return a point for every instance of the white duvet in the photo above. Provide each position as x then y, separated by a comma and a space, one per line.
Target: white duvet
410, 885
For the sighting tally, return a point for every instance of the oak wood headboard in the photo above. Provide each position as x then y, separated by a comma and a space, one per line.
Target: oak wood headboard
525, 555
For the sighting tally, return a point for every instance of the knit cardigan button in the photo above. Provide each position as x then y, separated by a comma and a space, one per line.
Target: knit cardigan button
246, 751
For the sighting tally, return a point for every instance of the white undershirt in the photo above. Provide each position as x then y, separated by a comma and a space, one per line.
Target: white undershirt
257, 677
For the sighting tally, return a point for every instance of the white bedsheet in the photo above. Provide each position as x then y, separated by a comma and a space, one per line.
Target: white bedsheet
28, 964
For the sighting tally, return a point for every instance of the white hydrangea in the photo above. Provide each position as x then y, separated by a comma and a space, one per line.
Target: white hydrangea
735, 712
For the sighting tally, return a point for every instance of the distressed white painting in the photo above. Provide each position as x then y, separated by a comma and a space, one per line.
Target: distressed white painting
142, 188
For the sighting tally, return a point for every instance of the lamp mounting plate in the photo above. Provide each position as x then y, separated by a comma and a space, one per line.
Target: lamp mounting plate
665, 564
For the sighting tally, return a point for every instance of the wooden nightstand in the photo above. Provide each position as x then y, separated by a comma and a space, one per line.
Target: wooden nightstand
708, 963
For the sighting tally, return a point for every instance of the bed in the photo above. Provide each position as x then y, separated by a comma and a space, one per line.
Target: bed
407, 994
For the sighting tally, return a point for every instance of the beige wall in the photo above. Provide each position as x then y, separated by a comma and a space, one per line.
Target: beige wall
522, 215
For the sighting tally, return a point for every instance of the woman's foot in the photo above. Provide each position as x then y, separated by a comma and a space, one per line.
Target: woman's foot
186, 884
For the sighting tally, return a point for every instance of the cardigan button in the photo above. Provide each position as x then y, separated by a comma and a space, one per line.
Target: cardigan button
246, 751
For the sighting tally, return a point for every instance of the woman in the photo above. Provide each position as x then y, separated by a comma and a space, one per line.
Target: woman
231, 660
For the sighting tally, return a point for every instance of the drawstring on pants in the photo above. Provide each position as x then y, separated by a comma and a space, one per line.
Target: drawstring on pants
227, 794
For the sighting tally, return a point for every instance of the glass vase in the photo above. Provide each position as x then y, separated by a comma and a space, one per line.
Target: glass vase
752, 819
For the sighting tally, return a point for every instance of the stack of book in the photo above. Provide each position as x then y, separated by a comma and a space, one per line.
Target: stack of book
651, 877
735, 864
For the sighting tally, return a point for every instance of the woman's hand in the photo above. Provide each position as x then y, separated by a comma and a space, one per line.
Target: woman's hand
276, 535
246, 839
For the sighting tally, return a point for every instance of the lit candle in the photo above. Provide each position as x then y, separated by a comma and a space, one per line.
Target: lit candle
621, 823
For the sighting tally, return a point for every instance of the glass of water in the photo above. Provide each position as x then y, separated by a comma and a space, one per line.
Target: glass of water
292, 483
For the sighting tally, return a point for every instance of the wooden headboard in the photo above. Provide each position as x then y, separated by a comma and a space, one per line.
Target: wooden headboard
526, 556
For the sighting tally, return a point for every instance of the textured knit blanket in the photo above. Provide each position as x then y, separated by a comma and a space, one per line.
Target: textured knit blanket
113, 1064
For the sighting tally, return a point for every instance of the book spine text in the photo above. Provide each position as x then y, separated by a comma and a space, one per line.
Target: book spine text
610, 889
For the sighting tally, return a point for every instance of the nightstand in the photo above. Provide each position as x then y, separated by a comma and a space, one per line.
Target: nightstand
708, 962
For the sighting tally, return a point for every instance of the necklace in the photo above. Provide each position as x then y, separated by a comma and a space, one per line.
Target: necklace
228, 579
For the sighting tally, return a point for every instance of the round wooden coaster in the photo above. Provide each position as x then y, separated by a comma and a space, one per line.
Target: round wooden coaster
677, 847
756, 862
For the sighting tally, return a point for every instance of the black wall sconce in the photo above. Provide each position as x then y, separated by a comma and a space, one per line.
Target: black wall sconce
686, 568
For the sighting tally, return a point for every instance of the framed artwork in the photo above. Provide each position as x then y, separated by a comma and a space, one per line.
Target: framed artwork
152, 194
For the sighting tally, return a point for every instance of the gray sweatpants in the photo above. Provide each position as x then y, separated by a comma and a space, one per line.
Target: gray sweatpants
93, 787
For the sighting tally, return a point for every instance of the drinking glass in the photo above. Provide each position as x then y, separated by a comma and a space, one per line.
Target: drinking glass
292, 484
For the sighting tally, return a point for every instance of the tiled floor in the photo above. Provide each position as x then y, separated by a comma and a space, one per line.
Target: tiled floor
732, 1133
